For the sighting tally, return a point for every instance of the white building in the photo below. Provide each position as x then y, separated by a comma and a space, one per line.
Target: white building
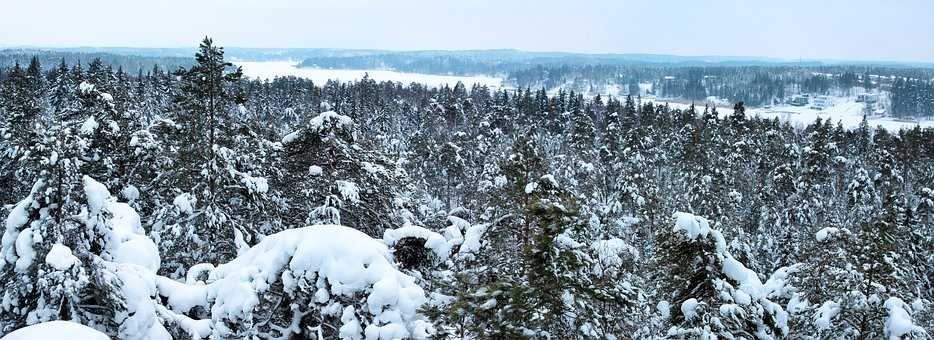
821, 102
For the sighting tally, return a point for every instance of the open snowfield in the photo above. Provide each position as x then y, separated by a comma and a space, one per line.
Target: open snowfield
272, 69
845, 110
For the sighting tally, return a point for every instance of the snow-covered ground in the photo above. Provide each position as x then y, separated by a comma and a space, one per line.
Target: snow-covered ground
845, 110
272, 69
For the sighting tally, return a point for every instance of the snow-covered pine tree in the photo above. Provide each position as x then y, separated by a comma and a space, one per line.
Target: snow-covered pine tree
217, 194
330, 178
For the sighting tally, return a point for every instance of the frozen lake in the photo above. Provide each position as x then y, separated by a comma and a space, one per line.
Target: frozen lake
272, 69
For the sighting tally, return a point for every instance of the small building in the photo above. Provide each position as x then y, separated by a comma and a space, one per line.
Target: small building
798, 100
821, 102
867, 98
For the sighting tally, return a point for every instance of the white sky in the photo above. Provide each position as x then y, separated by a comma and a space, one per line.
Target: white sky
897, 30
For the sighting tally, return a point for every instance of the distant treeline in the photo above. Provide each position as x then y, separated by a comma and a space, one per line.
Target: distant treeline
129, 63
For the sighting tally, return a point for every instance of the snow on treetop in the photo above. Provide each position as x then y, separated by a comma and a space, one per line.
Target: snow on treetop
693, 226
85, 87
323, 121
56, 330
750, 286
127, 242
329, 118
609, 251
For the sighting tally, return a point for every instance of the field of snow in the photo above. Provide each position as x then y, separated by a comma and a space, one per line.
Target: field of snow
845, 110
272, 69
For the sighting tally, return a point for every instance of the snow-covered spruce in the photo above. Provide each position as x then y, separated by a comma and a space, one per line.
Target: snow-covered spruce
712, 293
91, 277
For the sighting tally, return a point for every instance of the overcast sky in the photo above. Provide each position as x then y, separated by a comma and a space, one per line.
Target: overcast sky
897, 30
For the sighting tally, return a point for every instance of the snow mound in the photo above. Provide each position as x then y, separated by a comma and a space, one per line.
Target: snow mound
89, 126
473, 240
349, 191
184, 203
329, 118
336, 267
825, 314
56, 330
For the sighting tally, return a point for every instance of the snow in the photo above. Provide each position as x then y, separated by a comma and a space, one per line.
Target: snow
183, 203
530, 188
130, 192
322, 122
609, 251
373, 168
60, 257
85, 87
693, 226
97, 195
315, 170
347, 260
272, 69
565, 241
689, 308
289, 138
440, 245
349, 191
473, 237
128, 241
750, 287
255, 184
329, 118
24, 243
16, 244
898, 322
824, 233
89, 126
825, 315
56, 330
